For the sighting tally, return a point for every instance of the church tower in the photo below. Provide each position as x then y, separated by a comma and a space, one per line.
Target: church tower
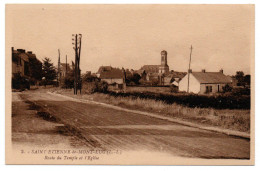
164, 58
164, 68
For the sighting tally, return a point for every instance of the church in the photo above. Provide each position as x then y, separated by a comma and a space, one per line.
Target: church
160, 74
156, 72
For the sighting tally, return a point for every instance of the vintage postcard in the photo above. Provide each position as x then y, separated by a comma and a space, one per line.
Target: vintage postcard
130, 84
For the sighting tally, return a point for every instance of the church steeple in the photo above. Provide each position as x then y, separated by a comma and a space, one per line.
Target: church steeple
164, 58
163, 68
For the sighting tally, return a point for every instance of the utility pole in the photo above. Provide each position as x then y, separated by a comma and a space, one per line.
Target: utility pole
59, 75
77, 48
79, 71
189, 71
66, 67
66, 73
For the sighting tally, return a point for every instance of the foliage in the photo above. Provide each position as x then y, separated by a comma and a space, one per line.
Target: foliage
224, 101
240, 91
240, 77
49, 72
243, 80
20, 82
135, 78
101, 86
95, 86
174, 89
228, 118
35, 70
90, 78
68, 80
227, 88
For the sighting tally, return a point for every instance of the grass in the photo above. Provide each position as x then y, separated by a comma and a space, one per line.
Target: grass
148, 89
234, 119
229, 119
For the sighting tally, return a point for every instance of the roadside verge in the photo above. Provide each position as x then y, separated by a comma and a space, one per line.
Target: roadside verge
208, 128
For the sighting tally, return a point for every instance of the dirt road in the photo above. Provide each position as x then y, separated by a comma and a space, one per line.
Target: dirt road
100, 127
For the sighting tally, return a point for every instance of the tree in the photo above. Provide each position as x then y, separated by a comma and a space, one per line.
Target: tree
136, 78
35, 70
247, 80
49, 72
240, 78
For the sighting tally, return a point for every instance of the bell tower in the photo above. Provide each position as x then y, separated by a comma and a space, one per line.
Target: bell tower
164, 68
164, 58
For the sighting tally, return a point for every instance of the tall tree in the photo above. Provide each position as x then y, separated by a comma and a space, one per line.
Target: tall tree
35, 70
240, 78
49, 72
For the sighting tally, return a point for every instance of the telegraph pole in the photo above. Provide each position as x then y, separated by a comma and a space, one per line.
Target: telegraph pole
189, 70
79, 72
66, 67
66, 73
77, 48
58, 78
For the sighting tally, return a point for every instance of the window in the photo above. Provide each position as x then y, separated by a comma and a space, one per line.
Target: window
208, 89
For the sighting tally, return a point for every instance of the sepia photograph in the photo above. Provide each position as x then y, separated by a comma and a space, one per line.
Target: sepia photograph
125, 84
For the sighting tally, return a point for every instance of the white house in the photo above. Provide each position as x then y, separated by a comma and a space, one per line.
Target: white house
204, 82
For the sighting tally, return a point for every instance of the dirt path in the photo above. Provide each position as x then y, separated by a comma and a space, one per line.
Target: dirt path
31, 129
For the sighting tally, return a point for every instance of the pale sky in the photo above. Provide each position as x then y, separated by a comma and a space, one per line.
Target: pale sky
131, 36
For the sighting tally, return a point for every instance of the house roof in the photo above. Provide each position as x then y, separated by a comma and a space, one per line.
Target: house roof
211, 77
150, 68
176, 74
113, 73
104, 68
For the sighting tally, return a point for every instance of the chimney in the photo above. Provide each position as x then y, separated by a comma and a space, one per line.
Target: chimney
30, 52
221, 71
190, 71
12, 49
203, 70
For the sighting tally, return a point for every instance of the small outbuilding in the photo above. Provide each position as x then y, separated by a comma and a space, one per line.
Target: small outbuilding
204, 82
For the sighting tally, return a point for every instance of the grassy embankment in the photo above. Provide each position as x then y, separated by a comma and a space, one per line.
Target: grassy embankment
234, 119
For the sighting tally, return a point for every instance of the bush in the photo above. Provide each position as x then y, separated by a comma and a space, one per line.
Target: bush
241, 91
20, 82
101, 86
227, 88
96, 86
174, 89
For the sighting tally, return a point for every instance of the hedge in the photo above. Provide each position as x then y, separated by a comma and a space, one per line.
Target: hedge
192, 100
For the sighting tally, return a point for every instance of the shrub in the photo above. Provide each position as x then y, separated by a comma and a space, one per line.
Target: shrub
96, 86
20, 82
101, 86
241, 91
174, 89
227, 88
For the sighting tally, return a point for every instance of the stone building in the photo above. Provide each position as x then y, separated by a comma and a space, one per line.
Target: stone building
20, 62
27, 66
